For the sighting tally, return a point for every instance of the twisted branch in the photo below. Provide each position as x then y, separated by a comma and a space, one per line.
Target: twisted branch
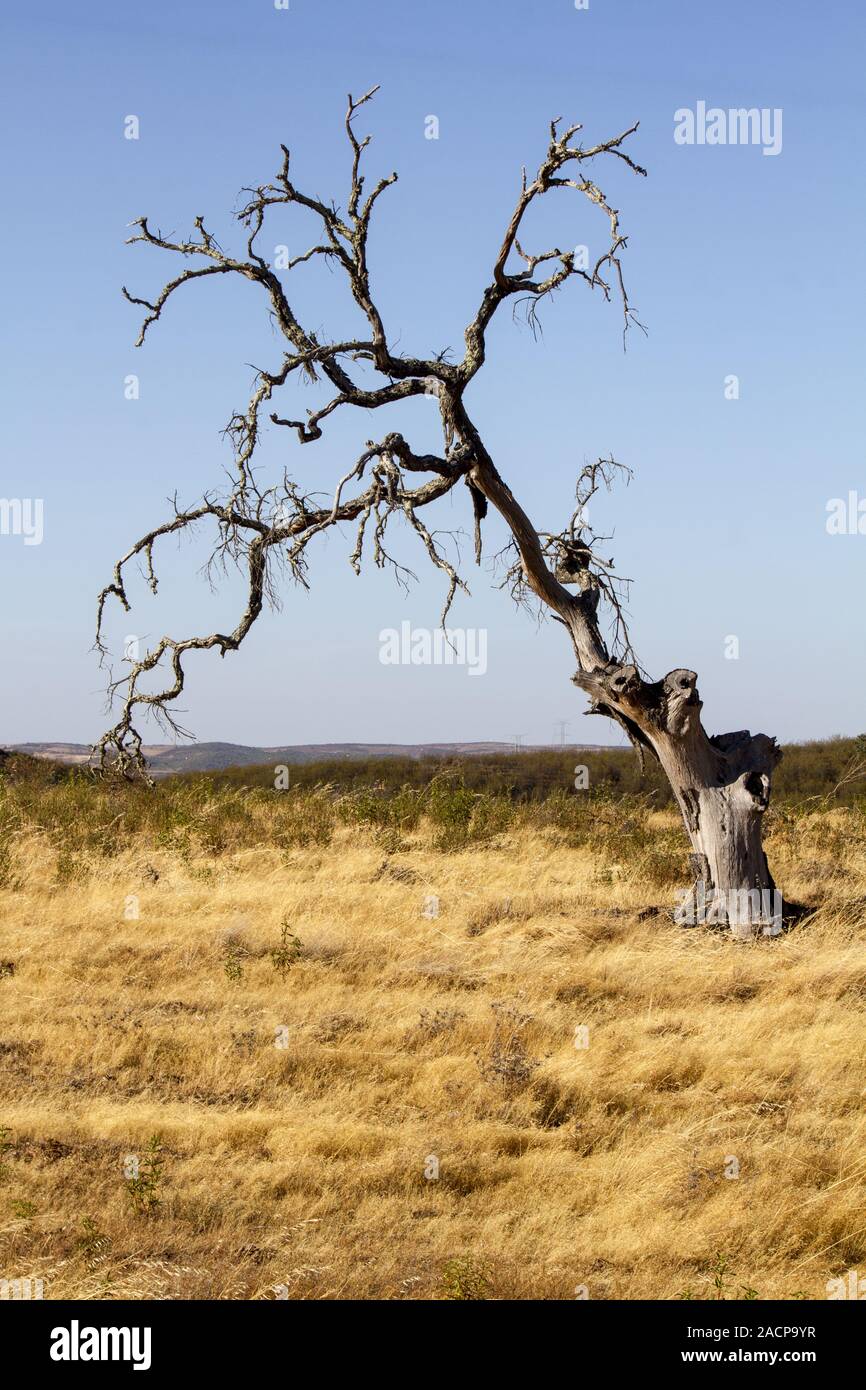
261, 528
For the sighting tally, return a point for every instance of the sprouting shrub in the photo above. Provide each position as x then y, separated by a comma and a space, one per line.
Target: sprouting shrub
456, 814
284, 956
334, 1026
367, 806
450, 806
6, 827
305, 820
396, 812
465, 1279
389, 839
225, 820
406, 808
460, 816
176, 839
561, 811
440, 1021
663, 863
602, 820
6, 1145
233, 961
143, 1187
92, 1242
720, 1288
506, 1059
68, 866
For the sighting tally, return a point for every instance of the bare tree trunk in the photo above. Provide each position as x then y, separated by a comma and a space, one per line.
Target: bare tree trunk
722, 786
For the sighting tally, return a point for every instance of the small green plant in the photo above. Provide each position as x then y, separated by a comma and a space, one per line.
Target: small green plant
307, 822
284, 956
461, 816
5, 1146
24, 1210
722, 1288
465, 1280
143, 1187
389, 839
233, 962
68, 865
92, 1242
719, 1271
176, 838
6, 828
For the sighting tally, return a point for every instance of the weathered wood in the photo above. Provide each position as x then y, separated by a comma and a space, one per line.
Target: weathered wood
722, 786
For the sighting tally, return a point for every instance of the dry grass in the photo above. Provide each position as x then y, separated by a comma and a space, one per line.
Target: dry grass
299, 1169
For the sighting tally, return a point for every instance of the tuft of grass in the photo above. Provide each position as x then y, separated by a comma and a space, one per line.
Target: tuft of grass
233, 962
466, 1279
505, 1058
6, 1146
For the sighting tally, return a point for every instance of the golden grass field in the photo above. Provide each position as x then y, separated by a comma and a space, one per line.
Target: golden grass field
292, 1164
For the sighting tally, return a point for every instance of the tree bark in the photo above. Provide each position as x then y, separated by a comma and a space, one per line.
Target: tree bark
722, 786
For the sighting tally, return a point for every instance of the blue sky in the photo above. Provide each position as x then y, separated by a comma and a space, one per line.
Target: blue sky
739, 263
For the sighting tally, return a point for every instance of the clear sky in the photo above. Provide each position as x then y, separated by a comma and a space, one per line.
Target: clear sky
740, 263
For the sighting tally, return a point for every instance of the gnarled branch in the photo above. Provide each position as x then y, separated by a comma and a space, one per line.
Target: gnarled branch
260, 528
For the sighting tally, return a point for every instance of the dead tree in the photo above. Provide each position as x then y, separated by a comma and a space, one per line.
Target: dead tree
721, 783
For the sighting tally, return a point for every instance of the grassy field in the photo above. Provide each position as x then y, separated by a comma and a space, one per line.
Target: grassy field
435, 1043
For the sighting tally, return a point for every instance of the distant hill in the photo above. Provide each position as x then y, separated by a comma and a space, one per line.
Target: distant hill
167, 758
19, 767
